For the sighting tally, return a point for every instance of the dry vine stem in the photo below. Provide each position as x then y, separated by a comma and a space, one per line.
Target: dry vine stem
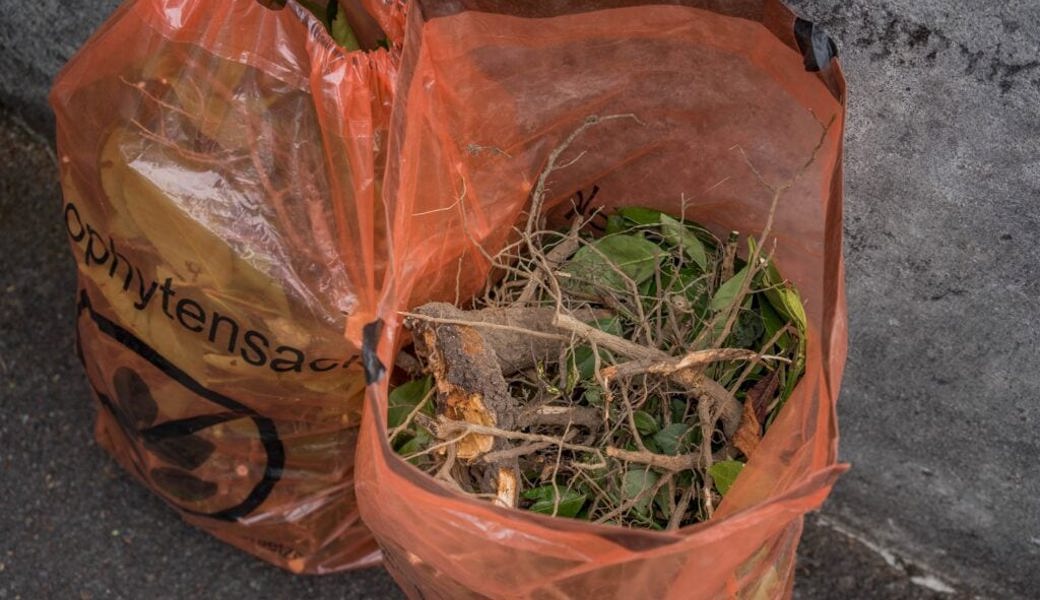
514, 409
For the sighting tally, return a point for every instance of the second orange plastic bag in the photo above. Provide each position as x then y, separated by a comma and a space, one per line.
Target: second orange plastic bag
732, 100
220, 163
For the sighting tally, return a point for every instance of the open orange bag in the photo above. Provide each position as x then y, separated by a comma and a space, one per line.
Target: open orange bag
220, 163
487, 88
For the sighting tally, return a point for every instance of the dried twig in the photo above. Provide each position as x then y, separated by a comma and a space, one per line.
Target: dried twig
540, 189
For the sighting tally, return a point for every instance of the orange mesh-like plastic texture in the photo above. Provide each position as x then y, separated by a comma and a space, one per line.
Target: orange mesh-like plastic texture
221, 163
486, 89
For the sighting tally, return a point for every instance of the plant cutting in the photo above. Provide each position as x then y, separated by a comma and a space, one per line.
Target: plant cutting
622, 370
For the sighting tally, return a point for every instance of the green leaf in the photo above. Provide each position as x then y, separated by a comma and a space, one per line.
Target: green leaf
786, 301
544, 492
673, 439
695, 288
615, 224
648, 290
418, 443
571, 501
342, 33
725, 473
584, 361
593, 396
678, 234
634, 483
746, 330
410, 393
403, 399
610, 325
679, 407
641, 216
598, 263
645, 424
661, 500
582, 357
395, 415
414, 443
726, 295
793, 375
789, 304
770, 320
781, 294
401, 441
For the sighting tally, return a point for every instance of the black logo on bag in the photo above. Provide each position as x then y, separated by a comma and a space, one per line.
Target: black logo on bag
177, 443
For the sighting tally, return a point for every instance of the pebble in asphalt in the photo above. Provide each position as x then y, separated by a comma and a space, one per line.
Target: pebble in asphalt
73, 525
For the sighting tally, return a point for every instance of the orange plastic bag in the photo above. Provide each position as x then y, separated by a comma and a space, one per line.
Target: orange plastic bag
732, 98
220, 164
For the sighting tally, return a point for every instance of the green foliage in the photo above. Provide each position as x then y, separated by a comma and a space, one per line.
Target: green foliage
634, 485
675, 438
638, 215
607, 262
645, 424
665, 285
726, 295
404, 398
678, 234
545, 501
725, 474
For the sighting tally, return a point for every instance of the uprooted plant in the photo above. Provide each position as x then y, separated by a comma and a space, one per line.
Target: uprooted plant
621, 371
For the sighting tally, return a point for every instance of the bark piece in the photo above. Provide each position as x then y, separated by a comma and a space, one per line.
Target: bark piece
469, 382
520, 336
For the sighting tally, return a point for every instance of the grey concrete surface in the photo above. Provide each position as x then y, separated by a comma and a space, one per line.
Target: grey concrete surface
939, 410
36, 39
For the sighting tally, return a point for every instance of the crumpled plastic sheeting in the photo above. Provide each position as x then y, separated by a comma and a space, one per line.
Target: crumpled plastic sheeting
726, 111
221, 164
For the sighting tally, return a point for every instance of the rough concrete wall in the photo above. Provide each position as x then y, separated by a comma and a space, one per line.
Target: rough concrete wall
939, 413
